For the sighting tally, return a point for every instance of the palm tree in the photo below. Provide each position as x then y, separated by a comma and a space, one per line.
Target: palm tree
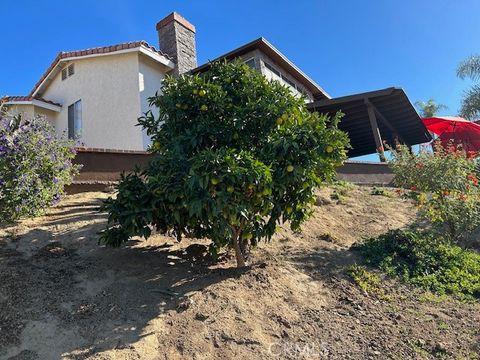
470, 68
429, 108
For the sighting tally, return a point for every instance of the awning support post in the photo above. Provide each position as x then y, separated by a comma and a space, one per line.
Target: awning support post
376, 131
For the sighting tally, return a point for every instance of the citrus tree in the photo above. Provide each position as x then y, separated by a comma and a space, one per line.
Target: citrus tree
235, 155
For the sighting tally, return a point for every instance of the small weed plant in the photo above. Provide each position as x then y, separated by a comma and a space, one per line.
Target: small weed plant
365, 279
379, 191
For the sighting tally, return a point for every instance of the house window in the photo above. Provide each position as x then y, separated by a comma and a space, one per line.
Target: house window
289, 82
68, 71
75, 120
250, 63
282, 77
272, 69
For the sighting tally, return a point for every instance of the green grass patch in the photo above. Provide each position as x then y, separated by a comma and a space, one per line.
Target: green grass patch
433, 298
379, 191
423, 260
366, 280
341, 189
443, 326
343, 186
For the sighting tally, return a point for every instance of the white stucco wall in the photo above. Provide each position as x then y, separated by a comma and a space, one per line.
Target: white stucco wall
30, 111
150, 77
50, 116
108, 87
25, 110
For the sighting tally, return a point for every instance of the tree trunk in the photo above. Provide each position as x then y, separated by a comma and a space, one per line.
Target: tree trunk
244, 248
238, 251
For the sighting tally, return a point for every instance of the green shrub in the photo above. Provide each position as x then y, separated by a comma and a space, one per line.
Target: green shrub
424, 260
235, 154
444, 185
35, 166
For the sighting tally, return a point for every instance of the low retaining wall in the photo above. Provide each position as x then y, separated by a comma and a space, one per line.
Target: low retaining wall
366, 173
106, 165
102, 168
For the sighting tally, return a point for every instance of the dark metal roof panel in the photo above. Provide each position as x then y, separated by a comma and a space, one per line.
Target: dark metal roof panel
392, 103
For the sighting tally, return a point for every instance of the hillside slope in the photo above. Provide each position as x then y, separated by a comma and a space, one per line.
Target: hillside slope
63, 296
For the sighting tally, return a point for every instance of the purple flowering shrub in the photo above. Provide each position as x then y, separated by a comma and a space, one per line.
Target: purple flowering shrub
35, 166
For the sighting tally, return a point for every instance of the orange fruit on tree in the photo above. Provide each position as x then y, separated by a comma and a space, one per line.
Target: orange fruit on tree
247, 236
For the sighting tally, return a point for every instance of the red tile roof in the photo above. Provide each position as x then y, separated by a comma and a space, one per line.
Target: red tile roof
29, 98
94, 51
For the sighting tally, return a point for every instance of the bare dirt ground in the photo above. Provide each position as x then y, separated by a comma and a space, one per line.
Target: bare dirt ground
63, 296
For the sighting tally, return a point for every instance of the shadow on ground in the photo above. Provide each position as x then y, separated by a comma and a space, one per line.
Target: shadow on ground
63, 295
324, 264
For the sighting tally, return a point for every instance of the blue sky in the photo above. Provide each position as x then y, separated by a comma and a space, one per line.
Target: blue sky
345, 46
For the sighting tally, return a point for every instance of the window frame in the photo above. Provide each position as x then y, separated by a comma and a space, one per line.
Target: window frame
273, 69
283, 77
252, 59
74, 120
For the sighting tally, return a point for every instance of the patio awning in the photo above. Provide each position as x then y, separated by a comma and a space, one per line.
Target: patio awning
374, 117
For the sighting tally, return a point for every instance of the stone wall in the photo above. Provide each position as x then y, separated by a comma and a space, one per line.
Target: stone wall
177, 40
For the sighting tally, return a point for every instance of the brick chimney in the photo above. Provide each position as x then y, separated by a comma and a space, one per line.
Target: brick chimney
177, 39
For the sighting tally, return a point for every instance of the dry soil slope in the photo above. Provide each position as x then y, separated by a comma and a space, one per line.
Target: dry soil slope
63, 296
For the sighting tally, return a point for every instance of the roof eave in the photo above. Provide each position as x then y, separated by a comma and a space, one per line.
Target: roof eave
141, 49
157, 57
297, 69
36, 102
359, 96
313, 87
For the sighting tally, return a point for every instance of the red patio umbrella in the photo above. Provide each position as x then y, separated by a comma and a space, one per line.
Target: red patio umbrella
456, 131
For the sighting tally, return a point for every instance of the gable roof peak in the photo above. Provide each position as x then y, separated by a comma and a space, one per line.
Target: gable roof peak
99, 51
